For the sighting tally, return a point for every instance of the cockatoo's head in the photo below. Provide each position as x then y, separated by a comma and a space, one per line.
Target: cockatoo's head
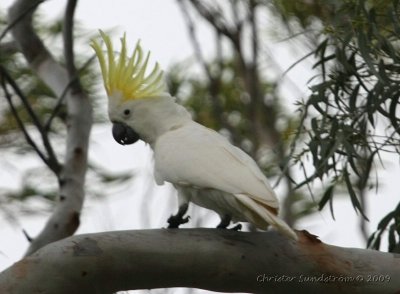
127, 86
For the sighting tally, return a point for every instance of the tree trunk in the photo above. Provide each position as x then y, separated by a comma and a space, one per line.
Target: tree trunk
218, 260
65, 218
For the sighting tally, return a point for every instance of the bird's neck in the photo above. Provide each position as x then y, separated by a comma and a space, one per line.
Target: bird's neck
155, 116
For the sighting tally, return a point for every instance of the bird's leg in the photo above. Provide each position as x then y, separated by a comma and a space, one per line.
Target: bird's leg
225, 221
174, 221
237, 227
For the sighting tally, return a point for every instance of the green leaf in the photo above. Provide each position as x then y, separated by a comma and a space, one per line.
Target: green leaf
353, 196
382, 72
370, 240
313, 146
326, 197
323, 60
377, 243
395, 21
392, 238
367, 169
353, 164
364, 46
321, 51
386, 220
331, 207
392, 112
353, 98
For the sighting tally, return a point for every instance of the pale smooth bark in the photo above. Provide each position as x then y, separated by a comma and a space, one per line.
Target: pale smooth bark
218, 260
65, 218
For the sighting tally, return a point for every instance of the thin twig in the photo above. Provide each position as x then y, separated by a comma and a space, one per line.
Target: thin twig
8, 47
52, 160
193, 38
21, 16
292, 147
61, 99
216, 21
19, 120
212, 18
254, 32
29, 238
214, 80
68, 36
253, 81
297, 62
235, 12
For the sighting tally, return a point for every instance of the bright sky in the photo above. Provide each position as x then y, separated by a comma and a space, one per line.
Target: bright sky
158, 23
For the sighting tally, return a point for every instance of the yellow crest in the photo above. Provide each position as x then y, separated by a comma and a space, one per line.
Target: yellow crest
127, 75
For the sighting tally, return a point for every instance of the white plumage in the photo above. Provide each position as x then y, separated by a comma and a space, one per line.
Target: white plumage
208, 171
204, 167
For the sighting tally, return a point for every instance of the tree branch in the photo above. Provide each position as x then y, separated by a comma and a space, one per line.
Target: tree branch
8, 48
23, 13
51, 160
262, 117
20, 123
214, 80
213, 17
68, 35
64, 93
218, 260
65, 218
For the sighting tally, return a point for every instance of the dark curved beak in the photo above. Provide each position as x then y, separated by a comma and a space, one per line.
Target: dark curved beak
124, 134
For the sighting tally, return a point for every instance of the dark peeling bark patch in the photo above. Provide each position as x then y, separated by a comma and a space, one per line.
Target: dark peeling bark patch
310, 237
76, 218
87, 247
322, 256
78, 151
73, 223
64, 180
21, 269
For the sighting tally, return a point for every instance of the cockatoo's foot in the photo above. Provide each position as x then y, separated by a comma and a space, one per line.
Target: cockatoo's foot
236, 228
225, 221
174, 221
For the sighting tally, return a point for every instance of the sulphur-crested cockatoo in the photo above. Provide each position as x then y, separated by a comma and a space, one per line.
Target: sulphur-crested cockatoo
201, 164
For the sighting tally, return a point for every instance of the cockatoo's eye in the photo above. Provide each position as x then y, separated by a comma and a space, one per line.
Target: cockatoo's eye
127, 112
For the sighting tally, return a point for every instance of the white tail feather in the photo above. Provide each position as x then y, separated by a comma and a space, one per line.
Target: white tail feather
264, 215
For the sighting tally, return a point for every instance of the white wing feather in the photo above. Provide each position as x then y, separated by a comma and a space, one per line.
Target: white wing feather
197, 156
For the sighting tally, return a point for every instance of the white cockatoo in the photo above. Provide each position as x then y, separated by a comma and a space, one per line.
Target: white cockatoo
199, 162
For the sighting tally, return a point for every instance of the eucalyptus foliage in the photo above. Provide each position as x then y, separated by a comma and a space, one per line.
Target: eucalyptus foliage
351, 116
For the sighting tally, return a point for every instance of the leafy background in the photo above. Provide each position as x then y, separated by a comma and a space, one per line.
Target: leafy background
329, 145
